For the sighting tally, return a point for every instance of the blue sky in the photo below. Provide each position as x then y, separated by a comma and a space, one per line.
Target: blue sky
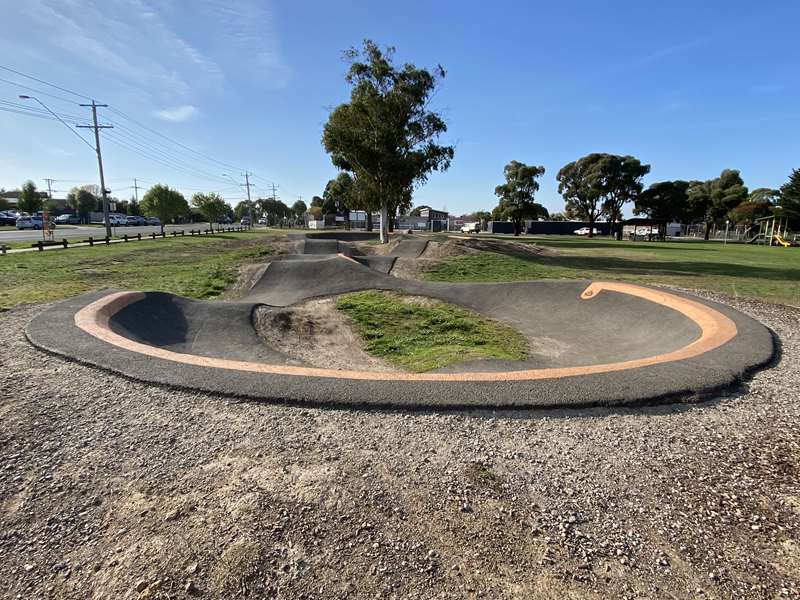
688, 87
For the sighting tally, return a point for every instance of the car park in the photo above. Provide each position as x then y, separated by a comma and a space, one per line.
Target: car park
152, 221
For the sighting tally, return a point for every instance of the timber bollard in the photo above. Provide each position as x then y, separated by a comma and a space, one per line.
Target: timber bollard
64, 242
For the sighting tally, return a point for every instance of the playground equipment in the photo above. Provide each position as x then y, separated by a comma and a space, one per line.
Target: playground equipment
772, 231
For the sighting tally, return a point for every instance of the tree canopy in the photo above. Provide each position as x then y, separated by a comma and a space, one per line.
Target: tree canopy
712, 200
579, 184
620, 182
211, 206
81, 201
242, 209
299, 208
29, 201
517, 194
667, 200
165, 203
790, 199
385, 136
338, 194
274, 210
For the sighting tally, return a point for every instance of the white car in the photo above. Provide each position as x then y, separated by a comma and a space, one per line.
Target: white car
471, 228
585, 231
33, 222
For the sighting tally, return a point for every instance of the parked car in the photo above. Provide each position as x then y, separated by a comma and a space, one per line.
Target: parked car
153, 221
585, 231
225, 221
245, 221
135, 221
262, 221
117, 220
471, 228
8, 217
34, 222
67, 220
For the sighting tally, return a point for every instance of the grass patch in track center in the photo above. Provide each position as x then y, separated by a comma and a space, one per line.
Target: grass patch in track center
420, 334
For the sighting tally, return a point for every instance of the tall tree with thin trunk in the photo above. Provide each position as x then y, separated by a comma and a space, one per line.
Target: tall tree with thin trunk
386, 135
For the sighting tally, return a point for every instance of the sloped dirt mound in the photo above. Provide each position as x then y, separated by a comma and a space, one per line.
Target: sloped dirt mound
316, 334
469, 245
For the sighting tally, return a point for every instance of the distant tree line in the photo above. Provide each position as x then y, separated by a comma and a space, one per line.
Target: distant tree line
598, 186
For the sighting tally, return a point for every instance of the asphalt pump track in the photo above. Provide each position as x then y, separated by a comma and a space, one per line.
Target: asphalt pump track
591, 342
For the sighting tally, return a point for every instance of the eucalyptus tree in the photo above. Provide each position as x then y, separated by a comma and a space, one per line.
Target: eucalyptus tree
386, 135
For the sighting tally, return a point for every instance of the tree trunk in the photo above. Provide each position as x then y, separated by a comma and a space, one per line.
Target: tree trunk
708, 231
384, 223
517, 227
591, 225
369, 220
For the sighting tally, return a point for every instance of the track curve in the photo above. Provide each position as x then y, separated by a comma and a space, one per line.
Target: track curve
591, 342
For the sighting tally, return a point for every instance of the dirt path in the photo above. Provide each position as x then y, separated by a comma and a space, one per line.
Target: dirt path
112, 489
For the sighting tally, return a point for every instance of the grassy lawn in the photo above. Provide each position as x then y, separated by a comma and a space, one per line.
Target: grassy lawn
198, 267
770, 274
420, 335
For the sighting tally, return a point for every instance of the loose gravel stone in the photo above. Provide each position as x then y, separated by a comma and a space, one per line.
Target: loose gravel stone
107, 484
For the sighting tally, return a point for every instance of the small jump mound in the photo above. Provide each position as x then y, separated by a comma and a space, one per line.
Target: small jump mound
589, 342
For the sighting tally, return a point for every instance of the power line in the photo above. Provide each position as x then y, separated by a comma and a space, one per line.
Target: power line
78, 135
44, 82
38, 91
184, 146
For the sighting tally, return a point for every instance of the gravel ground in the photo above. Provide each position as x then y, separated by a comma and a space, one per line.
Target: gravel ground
113, 489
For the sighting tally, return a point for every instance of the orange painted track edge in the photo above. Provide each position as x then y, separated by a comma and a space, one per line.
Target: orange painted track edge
716, 330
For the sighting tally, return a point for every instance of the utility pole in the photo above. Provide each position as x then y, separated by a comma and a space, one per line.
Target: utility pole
247, 184
274, 189
97, 129
135, 190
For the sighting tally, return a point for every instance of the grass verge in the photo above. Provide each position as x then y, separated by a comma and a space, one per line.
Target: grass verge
197, 267
761, 272
420, 334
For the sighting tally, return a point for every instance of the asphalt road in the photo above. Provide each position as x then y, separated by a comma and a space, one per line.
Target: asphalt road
72, 232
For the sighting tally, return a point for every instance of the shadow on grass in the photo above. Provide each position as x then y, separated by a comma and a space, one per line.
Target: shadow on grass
652, 267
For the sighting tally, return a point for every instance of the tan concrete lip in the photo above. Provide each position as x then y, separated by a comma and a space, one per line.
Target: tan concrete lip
716, 330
